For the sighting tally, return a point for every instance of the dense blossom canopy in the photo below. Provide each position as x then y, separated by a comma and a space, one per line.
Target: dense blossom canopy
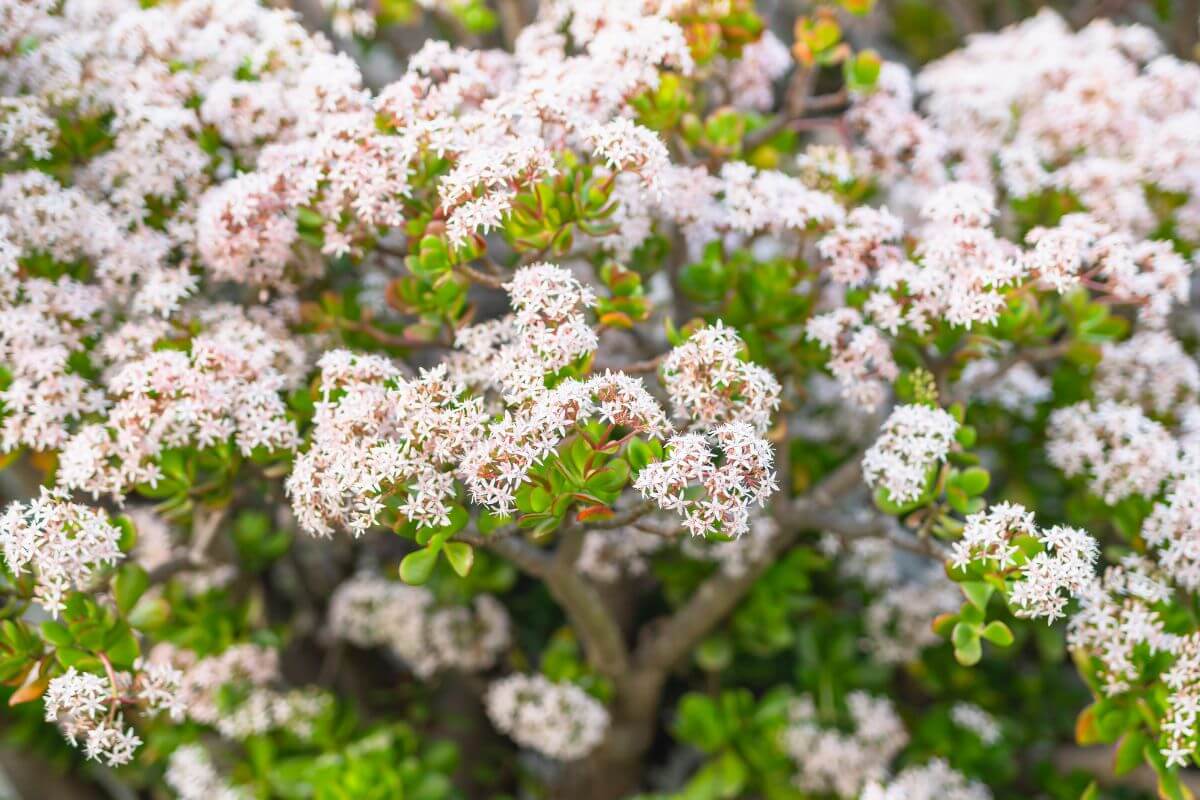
693, 414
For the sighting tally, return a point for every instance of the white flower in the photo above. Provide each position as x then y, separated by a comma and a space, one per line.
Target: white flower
912, 441
709, 383
832, 761
559, 720
728, 490
370, 611
60, 542
1118, 449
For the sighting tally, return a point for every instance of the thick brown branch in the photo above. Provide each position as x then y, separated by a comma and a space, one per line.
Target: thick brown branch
528, 558
673, 638
590, 617
585, 609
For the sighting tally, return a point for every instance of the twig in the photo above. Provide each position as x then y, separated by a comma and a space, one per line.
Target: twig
169, 569
623, 518
649, 365
472, 274
671, 639
585, 608
825, 102
881, 527
512, 21
528, 558
383, 337
205, 522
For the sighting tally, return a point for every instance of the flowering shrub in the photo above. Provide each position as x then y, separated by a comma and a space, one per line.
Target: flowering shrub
613, 401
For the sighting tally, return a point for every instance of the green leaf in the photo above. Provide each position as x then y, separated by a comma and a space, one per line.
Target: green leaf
539, 500
130, 583
82, 661
720, 779
56, 634
958, 499
974, 481
1128, 755
461, 556
967, 649
128, 533
698, 722
966, 436
417, 566
977, 592
1092, 792
121, 647
715, 653
972, 615
150, 612
1171, 786
638, 453
998, 634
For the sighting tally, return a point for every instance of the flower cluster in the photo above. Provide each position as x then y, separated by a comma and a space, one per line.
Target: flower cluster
860, 355
911, 443
710, 384
727, 489
191, 775
86, 707
60, 542
607, 555
1118, 449
1150, 370
843, 763
498, 463
377, 433
1117, 618
1059, 109
1181, 724
547, 332
226, 386
1064, 561
971, 717
905, 597
370, 611
1017, 388
899, 620
549, 328
80, 703
935, 780
1170, 531
559, 720
865, 243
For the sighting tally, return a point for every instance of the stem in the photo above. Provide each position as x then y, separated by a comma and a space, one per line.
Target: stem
112, 680
205, 522
474, 275
649, 365
674, 637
